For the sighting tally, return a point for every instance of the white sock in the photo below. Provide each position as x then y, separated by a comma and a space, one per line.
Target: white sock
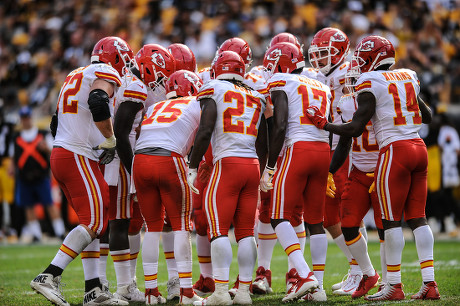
266, 244
358, 248
90, 260
168, 249
363, 231
290, 243
72, 246
301, 235
103, 255
150, 255
383, 261
58, 227
318, 250
134, 248
221, 254
247, 254
424, 243
394, 245
340, 241
203, 250
122, 266
183, 251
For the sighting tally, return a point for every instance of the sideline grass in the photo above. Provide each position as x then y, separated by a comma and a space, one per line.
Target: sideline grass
20, 264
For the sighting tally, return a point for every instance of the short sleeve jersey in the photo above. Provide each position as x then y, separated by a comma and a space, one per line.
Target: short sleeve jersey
365, 150
239, 111
397, 115
205, 74
254, 81
336, 82
302, 93
77, 131
171, 125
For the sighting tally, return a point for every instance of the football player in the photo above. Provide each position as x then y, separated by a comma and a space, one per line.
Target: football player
84, 137
183, 56
159, 170
230, 119
327, 54
291, 93
390, 98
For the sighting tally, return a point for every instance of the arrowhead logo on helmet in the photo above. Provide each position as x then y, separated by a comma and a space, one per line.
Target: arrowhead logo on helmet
366, 46
120, 45
275, 54
158, 60
338, 37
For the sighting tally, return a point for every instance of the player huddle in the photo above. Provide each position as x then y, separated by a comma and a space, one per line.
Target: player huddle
145, 139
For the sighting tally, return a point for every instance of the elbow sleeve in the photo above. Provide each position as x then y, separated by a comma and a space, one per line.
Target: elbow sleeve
98, 102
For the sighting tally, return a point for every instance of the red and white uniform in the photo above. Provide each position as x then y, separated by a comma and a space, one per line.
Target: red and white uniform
205, 74
233, 140
159, 167
73, 161
302, 173
117, 177
401, 173
336, 82
356, 199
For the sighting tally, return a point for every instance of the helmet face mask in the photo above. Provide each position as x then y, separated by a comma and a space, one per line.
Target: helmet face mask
115, 52
183, 83
155, 64
228, 65
328, 49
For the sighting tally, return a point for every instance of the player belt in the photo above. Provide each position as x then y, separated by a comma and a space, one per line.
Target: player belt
157, 152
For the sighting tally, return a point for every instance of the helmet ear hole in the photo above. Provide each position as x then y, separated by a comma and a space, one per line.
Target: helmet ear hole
147, 70
117, 59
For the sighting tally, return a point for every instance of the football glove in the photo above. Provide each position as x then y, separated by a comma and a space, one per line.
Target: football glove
191, 177
330, 191
372, 187
108, 150
266, 179
316, 117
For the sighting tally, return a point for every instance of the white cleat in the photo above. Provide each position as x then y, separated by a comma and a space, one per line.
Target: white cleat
217, 298
317, 295
349, 285
301, 288
96, 296
185, 300
49, 287
153, 297
173, 286
242, 298
130, 293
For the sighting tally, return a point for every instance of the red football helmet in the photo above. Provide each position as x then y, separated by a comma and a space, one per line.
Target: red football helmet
184, 57
372, 52
155, 64
283, 57
285, 37
115, 52
240, 46
183, 83
228, 65
328, 49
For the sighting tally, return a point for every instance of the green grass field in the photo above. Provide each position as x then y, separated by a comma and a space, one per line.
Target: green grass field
20, 264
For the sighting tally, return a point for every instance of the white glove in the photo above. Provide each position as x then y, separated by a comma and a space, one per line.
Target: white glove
108, 147
191, 177
266, 179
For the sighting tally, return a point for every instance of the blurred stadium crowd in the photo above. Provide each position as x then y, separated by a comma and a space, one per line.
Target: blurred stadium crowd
41, 41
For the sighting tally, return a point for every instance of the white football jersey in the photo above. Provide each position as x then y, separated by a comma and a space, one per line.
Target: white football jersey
309, 72
397, 114
171, 125
132, 89
302, 93
364, 149
238, 118
336, 82
254, 81
77, 131
205, 74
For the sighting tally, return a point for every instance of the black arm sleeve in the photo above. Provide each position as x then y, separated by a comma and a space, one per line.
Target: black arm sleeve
98, 102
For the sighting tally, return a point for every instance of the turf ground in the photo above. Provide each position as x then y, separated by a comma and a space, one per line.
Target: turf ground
20, 264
